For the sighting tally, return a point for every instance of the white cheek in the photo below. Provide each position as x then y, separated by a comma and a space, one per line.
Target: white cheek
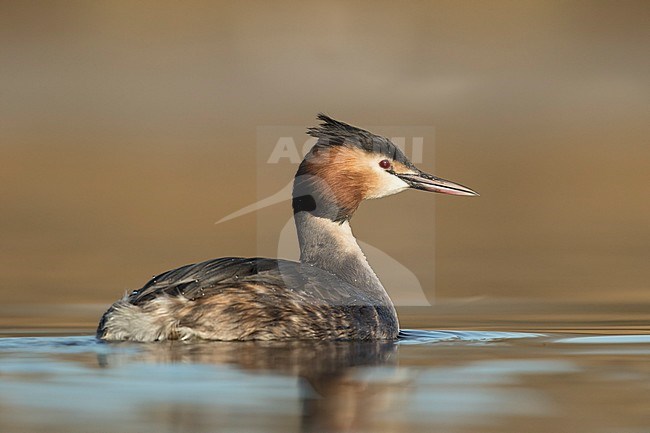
388, 184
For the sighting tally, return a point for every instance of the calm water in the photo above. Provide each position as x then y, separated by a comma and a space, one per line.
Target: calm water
452, 381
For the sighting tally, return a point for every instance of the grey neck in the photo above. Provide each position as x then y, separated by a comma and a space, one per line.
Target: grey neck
331, 246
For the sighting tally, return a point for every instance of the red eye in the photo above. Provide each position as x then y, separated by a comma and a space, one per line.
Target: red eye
384, 163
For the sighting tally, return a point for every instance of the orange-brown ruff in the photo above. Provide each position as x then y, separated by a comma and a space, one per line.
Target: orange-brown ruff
331, 294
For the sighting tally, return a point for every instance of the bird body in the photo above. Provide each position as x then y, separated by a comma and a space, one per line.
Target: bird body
331, 294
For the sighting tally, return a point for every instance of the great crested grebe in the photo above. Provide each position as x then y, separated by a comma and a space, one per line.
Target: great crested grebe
331, 294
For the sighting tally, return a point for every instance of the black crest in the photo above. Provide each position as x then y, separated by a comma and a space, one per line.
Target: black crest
332, 132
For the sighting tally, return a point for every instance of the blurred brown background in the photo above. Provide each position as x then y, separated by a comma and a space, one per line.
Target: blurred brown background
128, 128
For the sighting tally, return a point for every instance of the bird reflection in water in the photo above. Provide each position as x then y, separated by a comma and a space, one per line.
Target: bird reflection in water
341, 387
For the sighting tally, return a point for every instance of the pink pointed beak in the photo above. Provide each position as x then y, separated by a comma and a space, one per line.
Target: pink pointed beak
428, 182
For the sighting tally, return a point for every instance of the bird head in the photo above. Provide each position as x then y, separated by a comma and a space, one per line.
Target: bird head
348, 165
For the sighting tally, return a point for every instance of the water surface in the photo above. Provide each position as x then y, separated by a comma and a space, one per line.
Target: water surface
452, 381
